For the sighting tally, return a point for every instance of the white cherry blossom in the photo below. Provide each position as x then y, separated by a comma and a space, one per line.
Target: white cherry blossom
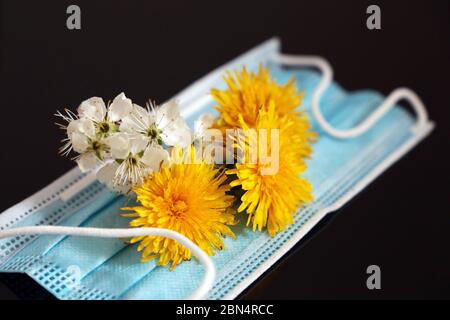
105, 119
126, 140
159, 125
134, 160
202, 124
82, 138
95, 109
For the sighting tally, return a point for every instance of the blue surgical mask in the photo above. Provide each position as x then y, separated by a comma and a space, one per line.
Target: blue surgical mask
354, 147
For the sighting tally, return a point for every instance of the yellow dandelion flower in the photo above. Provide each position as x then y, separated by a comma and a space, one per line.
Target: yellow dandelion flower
248, 92
272, 200
189, 198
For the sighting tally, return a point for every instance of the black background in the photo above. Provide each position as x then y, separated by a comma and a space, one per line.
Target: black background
154, 49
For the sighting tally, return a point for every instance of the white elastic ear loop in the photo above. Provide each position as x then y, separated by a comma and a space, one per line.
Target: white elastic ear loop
386, 105
199, 293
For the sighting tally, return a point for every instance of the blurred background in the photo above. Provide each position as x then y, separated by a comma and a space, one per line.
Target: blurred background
153, 49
